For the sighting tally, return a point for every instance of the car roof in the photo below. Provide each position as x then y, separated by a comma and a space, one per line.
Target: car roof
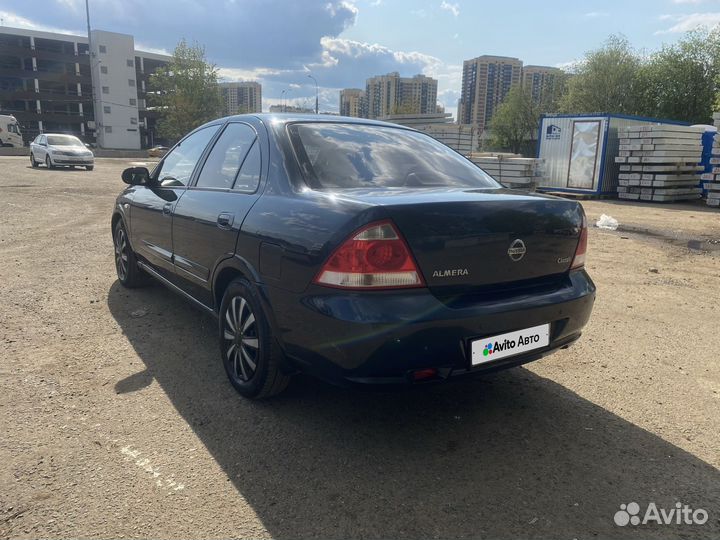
288, 118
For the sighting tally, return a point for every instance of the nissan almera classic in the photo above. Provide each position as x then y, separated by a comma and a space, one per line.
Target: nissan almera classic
353, 250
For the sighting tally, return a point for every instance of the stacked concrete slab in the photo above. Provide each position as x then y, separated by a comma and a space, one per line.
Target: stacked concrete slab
510, 170
711, 177
660, 163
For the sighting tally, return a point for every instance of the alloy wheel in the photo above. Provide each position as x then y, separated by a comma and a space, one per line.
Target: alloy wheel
121, 253
240, 336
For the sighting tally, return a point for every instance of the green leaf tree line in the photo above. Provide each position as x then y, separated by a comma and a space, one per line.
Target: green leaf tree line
185, 91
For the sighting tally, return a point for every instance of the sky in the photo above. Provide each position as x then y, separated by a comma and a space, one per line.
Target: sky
343, 42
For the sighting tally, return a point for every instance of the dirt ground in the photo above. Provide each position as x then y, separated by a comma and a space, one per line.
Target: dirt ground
116, 419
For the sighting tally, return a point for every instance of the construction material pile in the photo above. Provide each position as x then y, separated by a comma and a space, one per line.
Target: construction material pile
660, 163
510, 170
711, 176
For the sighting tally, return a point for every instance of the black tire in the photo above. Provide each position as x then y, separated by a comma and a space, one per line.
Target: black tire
128, 272
89, 167
246, 339
48, 163
33, 163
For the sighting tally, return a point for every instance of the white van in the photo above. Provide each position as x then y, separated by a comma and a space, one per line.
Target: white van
10, 132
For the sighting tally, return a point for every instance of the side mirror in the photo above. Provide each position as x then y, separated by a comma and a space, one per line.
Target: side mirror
136, 176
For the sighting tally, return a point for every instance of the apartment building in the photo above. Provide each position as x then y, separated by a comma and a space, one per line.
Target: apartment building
392, 94
53, 82
541, 82
241, 97
352, 102
486, 82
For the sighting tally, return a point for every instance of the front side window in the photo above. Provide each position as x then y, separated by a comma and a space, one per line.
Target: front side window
177, 167
223, 162
346, 156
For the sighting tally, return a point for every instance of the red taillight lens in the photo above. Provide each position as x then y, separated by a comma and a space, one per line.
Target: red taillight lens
581, 250
374, 257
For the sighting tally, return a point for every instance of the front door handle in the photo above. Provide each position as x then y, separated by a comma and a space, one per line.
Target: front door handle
167, 209
225, 220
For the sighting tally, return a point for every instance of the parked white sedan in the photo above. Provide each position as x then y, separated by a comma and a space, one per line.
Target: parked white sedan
60, 151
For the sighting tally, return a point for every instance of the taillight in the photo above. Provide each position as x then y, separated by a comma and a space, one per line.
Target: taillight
581, 250
375, 257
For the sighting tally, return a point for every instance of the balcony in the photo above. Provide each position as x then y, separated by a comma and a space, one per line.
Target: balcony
42, 74
44, 95
51, 116
50, 54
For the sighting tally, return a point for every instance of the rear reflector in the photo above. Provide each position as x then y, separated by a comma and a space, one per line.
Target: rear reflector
424, 374
581, 250
375, 257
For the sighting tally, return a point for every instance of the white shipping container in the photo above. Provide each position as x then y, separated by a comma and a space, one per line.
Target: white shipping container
582, 153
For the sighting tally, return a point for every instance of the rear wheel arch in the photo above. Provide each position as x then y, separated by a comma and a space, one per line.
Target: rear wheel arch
224, 277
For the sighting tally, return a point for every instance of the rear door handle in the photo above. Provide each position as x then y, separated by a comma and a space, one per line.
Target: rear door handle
225, 220
167, 209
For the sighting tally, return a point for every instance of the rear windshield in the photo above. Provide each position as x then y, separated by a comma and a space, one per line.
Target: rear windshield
346, 156
63, 140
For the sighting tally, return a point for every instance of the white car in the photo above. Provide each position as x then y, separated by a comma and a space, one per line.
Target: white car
60, 151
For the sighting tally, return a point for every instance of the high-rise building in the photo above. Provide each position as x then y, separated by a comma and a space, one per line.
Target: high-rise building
53, 82
485, 83
541, 82
352, 102
241, 97
392, 94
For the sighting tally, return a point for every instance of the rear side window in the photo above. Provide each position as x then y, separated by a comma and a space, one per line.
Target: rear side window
222, 165
347, 156
248, 178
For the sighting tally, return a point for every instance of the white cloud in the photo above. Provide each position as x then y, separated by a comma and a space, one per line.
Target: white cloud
239, 74
596, 14
567, 66
452, 8
16, 21
333, 48
74, 5
688, 1
147, 48
691, 21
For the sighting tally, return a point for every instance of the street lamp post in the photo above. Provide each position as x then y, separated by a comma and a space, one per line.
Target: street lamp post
282, 100
316, 93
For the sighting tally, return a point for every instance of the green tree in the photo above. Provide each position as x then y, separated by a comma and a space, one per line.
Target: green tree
515, 121
682, 79
609, 79
404, 107
185, 91
553, 92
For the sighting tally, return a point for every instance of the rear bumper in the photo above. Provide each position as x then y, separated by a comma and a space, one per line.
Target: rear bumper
382, 337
